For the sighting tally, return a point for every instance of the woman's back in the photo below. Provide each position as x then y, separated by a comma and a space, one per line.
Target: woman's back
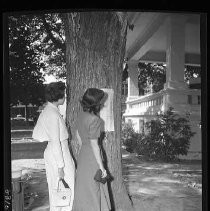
89, 195
88, 126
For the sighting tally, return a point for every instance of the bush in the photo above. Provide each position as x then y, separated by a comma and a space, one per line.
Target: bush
129, 137
169, 136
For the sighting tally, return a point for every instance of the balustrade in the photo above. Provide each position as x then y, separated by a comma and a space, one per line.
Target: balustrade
154, 102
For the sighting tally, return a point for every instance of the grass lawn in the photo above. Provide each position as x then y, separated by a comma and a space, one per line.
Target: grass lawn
22, 127
21, 134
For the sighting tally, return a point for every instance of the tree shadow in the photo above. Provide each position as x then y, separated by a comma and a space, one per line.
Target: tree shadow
27, 150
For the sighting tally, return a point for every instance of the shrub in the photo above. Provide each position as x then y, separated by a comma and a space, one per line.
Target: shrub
129, 137
169, 136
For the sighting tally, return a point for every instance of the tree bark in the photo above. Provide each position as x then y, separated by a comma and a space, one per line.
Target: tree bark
95, 49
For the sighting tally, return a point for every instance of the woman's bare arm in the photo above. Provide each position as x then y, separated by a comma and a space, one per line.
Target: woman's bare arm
79, 139
96, 152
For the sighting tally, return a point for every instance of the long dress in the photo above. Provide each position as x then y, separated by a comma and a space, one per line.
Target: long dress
51, 127
89, 194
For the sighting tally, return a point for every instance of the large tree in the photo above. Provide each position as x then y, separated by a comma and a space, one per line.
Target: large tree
95, 49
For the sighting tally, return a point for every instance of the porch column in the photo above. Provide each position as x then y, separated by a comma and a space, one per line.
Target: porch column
175, 88
175, 53
133, 90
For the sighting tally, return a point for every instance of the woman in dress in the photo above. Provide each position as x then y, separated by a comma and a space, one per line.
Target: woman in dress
51, 127
89, 194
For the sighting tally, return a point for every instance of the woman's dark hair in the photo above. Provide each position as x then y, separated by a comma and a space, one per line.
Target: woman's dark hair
55, 91
91, 100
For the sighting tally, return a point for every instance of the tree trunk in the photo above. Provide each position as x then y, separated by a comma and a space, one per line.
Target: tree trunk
95, 48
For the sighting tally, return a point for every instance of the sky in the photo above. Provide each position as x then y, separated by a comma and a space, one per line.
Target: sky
49, 79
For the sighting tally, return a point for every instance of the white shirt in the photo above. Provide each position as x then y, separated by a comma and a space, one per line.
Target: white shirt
51, 127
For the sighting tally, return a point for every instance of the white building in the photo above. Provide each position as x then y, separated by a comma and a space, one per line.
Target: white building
173, 39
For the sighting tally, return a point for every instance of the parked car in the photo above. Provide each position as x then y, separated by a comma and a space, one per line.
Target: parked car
19, 117
20, 122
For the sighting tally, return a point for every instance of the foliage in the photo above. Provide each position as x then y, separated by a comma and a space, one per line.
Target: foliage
154, 74
129, 137
169, 136
26, 80
151, 74
47, 39
166, 137
192, 72
36, 48
49, 43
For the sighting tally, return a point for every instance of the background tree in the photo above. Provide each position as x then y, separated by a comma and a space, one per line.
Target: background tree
155, 74
95, 48
36, 48
151, 74
47, 39
192, 72
49, 43
26, 80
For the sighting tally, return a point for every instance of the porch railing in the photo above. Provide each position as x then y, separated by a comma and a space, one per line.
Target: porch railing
152, 103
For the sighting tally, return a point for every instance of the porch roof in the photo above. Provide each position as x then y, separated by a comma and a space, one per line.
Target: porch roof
147, 41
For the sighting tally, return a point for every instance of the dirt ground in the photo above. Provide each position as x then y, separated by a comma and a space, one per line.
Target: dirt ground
152, 186
158, 186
